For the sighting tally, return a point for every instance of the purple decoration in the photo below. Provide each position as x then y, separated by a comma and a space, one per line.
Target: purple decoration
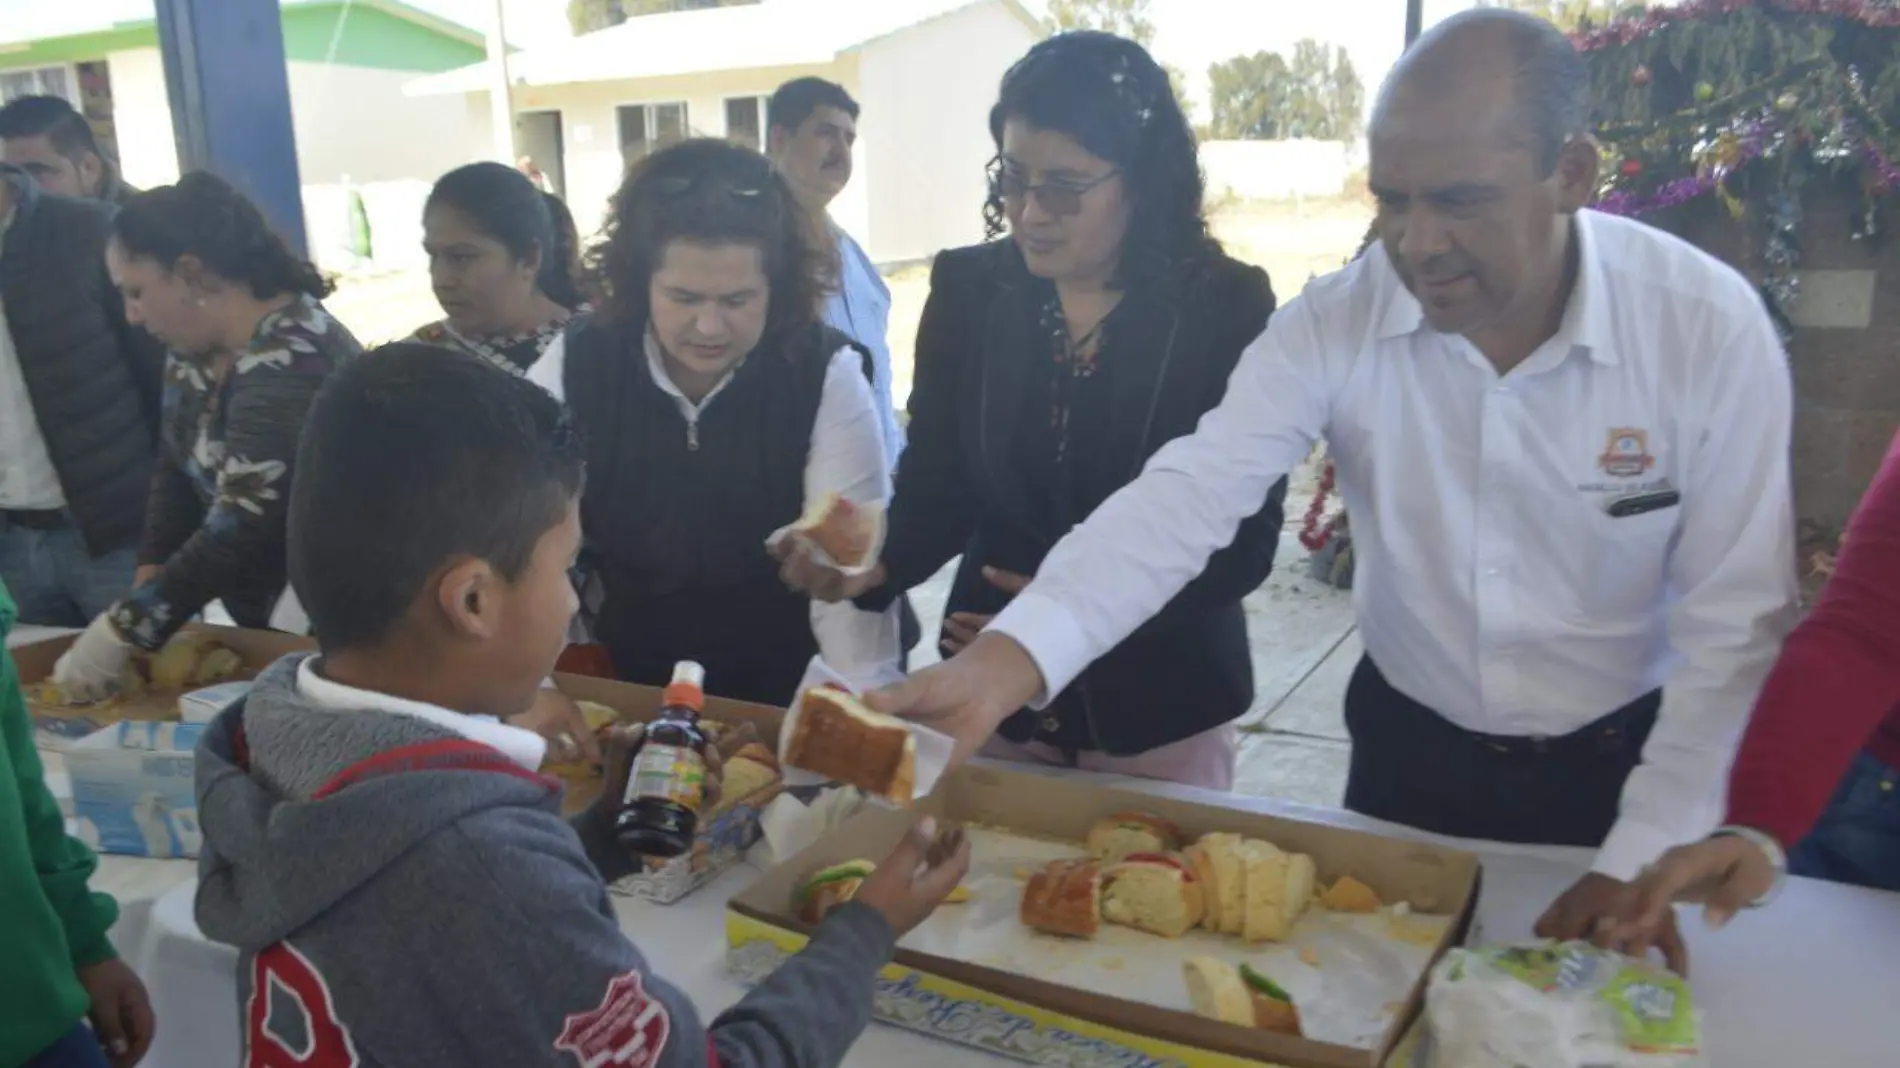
1886, 175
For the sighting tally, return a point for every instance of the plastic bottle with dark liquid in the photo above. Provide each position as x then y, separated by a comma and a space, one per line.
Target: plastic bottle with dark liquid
660, 812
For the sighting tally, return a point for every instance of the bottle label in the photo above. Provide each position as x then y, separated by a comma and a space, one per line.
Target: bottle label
668, 773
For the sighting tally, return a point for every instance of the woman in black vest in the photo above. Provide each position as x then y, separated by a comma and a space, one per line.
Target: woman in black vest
714, 404
502, 264
1049, 367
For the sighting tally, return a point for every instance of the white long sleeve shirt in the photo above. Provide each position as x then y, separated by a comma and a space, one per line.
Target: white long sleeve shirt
862, 308
847, 458
1491, 583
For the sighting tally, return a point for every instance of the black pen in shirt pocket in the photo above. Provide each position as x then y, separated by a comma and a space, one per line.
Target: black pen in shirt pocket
1642, 503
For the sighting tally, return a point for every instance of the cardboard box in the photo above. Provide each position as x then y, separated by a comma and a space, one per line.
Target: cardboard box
1038, 1022
58, 728
132, 789
719, 844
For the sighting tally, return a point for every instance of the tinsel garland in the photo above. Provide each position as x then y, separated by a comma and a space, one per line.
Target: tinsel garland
1313, 535
1745, 100
1627, 30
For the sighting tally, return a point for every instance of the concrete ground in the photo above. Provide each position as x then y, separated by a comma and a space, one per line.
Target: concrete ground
1293, 739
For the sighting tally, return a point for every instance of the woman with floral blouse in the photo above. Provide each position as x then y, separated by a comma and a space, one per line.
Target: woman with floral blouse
501, 261
249, 346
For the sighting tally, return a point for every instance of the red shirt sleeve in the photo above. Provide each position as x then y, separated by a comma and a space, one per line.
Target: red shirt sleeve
1837, 677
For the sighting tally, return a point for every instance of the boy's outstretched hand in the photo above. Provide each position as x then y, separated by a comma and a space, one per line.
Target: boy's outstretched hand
558, 719
910, 883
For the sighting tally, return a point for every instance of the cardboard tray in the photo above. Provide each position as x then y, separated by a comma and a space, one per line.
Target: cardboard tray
1039, 1022
717, 846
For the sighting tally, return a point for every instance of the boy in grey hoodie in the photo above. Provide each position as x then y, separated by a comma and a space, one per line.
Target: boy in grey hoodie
379, 845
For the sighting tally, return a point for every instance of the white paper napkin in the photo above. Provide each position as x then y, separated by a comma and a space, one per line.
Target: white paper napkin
934, 749
874, 508
789, 825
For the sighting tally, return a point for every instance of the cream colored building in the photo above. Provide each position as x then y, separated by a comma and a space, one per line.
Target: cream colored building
347, 62
924, 71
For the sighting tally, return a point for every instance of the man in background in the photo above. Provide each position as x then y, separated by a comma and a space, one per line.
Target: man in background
46, 137
813, 125
78, 409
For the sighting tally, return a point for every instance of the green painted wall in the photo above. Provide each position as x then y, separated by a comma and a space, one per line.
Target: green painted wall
370, 38
81, 48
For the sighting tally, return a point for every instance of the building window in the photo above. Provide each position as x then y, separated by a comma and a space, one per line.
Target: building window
745, 121
647, 128
38, 81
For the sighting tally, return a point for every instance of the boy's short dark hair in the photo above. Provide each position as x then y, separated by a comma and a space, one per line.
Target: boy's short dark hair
794, 102
413, 455
61, 123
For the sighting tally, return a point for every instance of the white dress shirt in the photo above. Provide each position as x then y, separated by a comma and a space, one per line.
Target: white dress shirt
846, 458
862, 308
524, 747
1490, 582
28, 480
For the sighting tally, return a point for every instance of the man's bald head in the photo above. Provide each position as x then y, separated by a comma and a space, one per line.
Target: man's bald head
1499, 66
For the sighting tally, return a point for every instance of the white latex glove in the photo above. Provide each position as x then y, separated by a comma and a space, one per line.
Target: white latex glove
91, 669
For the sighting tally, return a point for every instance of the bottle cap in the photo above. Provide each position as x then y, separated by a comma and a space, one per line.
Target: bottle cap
688, 687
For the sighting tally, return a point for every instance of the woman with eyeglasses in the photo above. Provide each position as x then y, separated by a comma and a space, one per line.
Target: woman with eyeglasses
715, 403
1049, 367
502, 264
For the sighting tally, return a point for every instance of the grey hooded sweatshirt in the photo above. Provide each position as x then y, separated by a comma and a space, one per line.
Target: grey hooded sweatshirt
403, 897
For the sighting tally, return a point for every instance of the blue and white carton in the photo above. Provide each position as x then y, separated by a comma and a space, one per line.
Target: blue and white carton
132, 789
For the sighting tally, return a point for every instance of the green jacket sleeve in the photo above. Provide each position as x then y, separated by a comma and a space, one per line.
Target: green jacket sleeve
62, 861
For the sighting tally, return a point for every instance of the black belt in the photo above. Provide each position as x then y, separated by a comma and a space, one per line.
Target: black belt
1610, 734
36, 519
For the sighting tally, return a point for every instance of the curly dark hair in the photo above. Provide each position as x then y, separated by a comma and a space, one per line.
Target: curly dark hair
204, 217
1111, 97
712, 192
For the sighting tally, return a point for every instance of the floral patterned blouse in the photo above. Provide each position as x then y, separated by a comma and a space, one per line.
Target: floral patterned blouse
514, 353
228, 441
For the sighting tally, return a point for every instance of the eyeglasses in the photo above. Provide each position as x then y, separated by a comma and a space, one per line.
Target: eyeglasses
1057, 198
679, 185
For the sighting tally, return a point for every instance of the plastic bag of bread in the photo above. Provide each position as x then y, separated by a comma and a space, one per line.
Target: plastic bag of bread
1563, 1005
842, 532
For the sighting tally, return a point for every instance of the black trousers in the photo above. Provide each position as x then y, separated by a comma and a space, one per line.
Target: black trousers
1411, 765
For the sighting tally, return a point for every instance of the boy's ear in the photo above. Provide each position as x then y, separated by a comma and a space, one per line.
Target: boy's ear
468, 594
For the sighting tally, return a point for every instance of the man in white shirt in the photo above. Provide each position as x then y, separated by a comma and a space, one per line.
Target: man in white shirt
1563, 440
813, 125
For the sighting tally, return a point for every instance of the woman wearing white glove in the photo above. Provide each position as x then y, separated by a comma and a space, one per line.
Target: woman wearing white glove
249, 345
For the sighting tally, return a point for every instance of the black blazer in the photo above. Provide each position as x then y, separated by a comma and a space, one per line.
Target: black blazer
1188, 669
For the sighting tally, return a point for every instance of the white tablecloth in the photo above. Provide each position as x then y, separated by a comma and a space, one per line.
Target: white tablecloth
1810, 981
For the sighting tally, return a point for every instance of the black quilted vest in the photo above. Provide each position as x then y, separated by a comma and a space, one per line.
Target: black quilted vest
94, 382
676, 522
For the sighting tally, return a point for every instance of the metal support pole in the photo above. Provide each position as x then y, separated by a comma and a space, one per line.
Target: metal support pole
501, 89
230, 96
1414, 20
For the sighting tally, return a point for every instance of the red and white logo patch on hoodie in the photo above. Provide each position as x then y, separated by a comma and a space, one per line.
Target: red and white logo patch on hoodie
627, 1030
